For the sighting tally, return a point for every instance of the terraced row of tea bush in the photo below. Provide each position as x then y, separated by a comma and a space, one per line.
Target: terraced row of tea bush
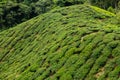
71, 43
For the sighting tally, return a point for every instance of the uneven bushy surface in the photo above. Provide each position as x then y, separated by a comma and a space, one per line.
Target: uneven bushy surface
72, 43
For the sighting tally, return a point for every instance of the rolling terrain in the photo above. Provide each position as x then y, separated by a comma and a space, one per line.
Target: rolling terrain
79, 42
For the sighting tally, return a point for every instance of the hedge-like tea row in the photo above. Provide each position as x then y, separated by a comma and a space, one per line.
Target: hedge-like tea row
71, 43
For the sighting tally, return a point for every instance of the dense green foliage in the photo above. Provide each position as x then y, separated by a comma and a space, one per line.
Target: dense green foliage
17, 11
70, 43
13, 12
105, 3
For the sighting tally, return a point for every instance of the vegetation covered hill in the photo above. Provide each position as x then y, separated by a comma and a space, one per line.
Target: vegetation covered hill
79, 42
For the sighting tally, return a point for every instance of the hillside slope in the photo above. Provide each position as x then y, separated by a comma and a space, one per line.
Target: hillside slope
71, 43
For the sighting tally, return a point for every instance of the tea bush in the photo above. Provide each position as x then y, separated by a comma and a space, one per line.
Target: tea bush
63, 44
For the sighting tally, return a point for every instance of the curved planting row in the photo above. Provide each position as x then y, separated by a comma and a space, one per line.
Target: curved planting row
71, 43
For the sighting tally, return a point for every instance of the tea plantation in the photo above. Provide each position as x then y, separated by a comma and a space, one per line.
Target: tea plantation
79, 42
